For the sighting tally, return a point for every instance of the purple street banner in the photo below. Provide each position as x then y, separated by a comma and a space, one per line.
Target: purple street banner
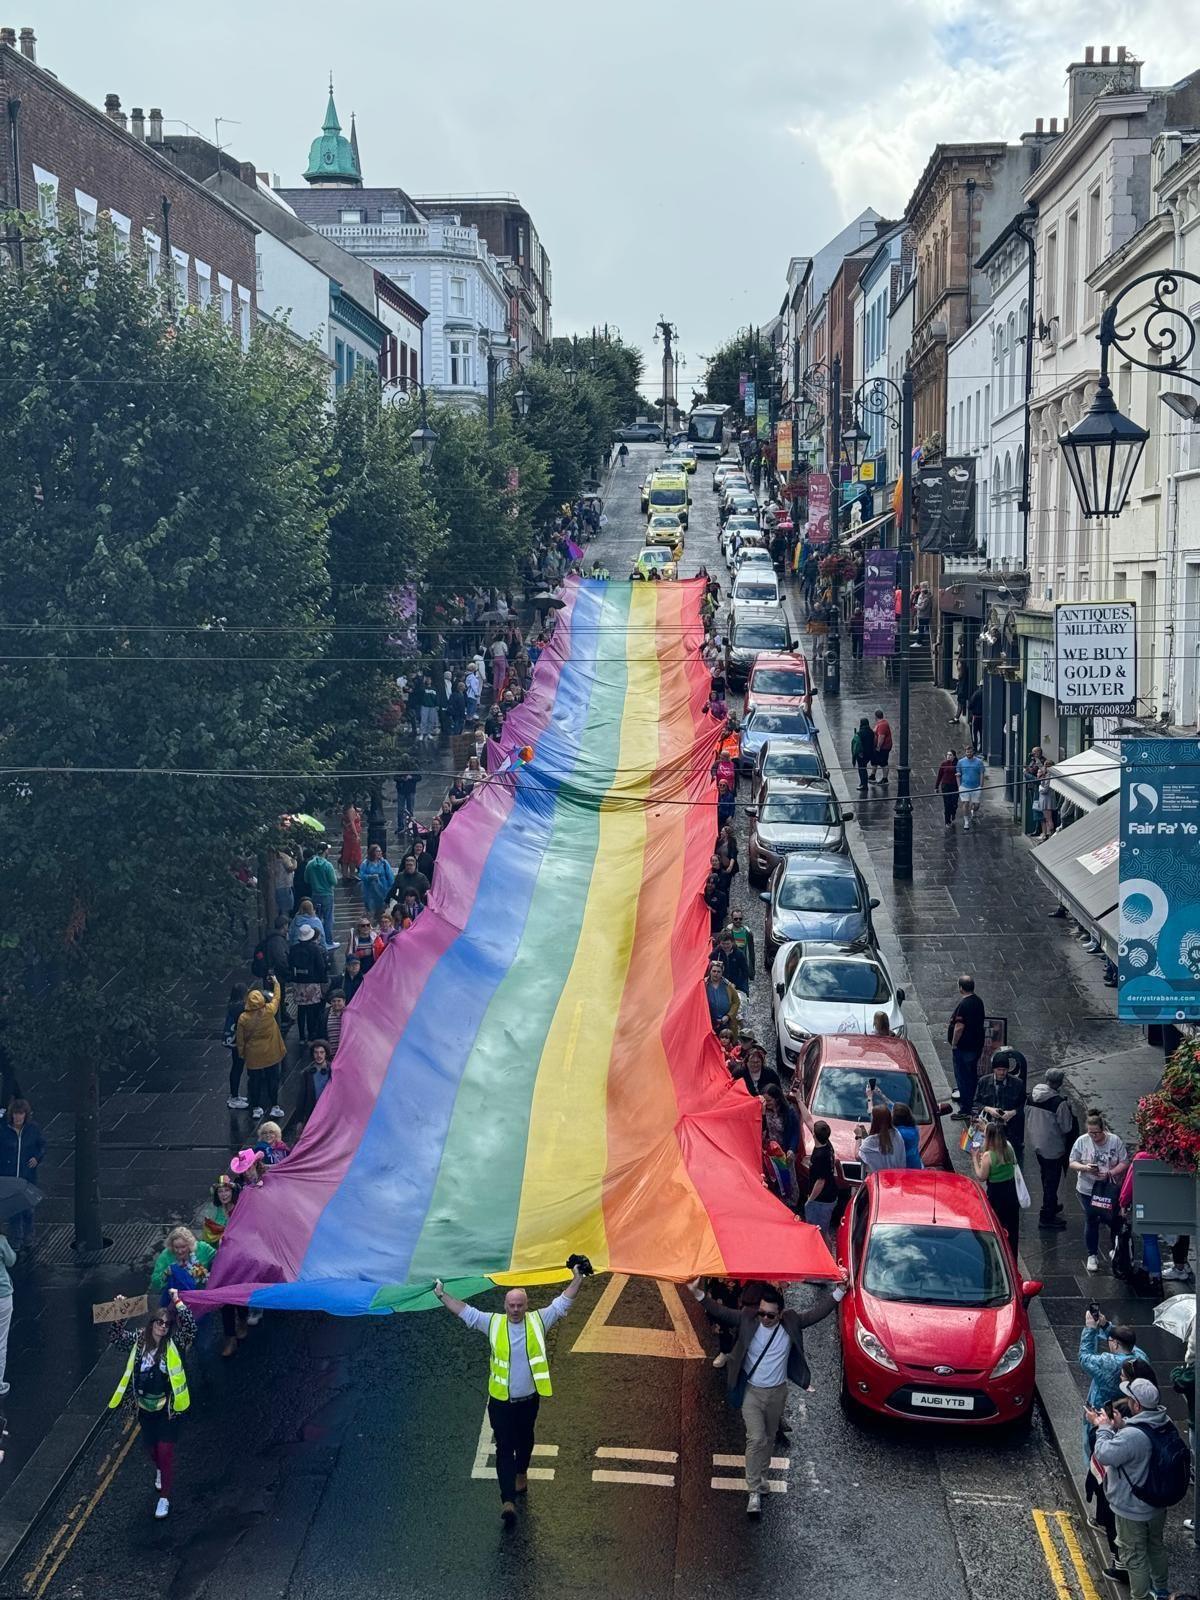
820, 495
743, 377
879, 604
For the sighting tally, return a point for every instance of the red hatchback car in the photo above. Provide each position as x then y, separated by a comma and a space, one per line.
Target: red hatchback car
935, 1324
777, 681
834, 1073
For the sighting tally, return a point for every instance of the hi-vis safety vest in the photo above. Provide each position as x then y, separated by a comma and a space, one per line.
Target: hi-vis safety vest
176, 1376
535, 1349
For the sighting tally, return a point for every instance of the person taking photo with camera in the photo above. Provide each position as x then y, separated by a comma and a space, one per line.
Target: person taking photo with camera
519, 1376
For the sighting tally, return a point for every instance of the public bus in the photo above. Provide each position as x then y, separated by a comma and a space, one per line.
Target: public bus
706, 430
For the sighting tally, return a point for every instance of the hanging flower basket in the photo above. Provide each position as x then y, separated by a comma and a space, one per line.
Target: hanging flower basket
838, 566
1168, 1120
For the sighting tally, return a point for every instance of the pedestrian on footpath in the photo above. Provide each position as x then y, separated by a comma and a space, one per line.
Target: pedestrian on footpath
1051, 1127
947, 786
882, 735
375, 878
320, 879
733, 961
964, 1034
862, 752
260, 1045
742, 938
767, 1355
519, 1376
281, 875
1099, 1159
1002, 1091
970, 785
1146, 1466
996, 1169
309, 975
22, 1151
155, 1382
723, 1000
8, 1258
962, 691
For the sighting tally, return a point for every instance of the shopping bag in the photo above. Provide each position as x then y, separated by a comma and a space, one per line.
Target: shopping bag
1022, 1189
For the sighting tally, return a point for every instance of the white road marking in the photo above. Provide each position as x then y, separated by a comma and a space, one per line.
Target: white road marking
485, 1449
771, 1485
621, 1454
607, 1475
777, 1463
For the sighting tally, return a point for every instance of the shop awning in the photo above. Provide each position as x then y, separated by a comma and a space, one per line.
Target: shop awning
1079, 863
1107, 927
1088, 779
860, 533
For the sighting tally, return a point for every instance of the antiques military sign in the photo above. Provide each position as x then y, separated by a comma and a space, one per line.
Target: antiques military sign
1095, 659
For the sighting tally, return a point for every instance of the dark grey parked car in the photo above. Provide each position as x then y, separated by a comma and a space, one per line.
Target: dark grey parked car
817, 897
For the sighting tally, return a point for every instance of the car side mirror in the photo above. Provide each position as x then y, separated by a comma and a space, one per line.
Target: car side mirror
751, 811
779, 990
873, 904
765, 898
847, 816
899, 994
944, 1108
1030, 1288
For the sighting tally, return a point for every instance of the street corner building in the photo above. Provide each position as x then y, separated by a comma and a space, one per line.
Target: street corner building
530, 1070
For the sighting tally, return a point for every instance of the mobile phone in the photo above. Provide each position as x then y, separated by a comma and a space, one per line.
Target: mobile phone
870, 1083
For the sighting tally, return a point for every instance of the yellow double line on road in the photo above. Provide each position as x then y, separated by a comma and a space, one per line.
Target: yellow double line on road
40, 1577
1047, 1524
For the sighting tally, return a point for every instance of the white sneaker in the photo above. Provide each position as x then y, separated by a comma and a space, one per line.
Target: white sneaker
162, 1508
720, 1360
753, 1504
278, 1111
1174, 1274
237, 1102
257, 1111
1093, 1263
966, 826
253, 1318
158, 1480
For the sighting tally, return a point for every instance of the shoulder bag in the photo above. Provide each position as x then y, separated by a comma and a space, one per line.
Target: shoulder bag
737, 1393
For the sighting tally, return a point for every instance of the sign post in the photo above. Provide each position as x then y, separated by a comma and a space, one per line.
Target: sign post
783, 449
1095, 659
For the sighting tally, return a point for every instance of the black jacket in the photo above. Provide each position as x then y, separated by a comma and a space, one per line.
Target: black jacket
309, 963
1008, 1095
793, 1324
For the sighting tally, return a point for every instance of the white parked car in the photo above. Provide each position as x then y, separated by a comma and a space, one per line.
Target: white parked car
756, 586
830, 988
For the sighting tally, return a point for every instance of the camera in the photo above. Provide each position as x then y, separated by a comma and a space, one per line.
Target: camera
582, 1262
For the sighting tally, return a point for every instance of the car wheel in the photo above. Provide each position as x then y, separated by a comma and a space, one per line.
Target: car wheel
854, 1412
781, 1065
758, 880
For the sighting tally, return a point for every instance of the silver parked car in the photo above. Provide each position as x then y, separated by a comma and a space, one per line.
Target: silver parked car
792, 816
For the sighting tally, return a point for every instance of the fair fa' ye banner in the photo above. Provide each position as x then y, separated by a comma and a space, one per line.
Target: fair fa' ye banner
1158, 934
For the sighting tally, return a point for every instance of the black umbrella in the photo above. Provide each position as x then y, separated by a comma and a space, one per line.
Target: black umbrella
16, 1196
546, 600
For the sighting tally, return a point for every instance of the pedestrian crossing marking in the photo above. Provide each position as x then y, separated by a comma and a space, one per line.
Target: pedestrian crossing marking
621, 1454
598, 1336
770, 1485
485, 1449
777, 1463
665, 1480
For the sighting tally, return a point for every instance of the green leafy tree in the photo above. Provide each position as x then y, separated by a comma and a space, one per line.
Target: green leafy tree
163, 545
729, 361
569, 423
384, 528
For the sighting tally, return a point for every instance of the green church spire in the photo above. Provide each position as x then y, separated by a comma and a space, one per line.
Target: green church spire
332, 158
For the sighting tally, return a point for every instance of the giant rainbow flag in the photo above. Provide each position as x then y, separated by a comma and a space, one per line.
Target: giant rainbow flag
529, 1070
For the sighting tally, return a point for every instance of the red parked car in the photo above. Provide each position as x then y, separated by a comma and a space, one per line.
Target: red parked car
935, 1323
833, 1074
778, 680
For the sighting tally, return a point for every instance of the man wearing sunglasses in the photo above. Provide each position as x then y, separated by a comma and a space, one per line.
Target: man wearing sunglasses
767, 1355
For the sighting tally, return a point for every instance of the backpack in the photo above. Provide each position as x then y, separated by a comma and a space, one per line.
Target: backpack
258, 961
1168, 1475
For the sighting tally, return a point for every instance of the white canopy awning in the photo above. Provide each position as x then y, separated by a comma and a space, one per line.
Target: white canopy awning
856, 534
1088, 779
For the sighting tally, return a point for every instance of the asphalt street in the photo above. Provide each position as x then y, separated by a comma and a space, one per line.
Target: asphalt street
350, 1458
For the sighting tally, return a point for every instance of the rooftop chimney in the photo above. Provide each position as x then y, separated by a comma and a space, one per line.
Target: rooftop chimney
8, 36
137, 122
1090, 77
155, 125
1053, 124
112, 107
1040, 125
28, 44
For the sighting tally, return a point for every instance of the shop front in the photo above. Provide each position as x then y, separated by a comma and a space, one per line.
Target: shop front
961, 609
1004, 693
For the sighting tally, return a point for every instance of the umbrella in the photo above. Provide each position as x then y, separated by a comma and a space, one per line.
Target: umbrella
491, 616
1176, 1315
307, 820
16, 1195
548, 600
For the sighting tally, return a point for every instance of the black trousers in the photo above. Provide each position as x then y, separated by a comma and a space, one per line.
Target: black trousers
513, 1422
1052, 1174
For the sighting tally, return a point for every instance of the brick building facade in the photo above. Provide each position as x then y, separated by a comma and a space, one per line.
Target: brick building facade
66, 160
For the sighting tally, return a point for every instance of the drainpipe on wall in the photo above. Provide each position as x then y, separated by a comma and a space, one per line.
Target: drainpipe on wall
970, 187
14, 138
1031, 247
1167, 705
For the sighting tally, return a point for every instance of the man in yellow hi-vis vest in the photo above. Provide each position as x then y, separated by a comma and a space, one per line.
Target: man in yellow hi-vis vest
519, 1375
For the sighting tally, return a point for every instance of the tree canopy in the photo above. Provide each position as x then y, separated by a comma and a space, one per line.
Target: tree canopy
729, 361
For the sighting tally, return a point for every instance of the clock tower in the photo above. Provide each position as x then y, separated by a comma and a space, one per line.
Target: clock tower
333, 159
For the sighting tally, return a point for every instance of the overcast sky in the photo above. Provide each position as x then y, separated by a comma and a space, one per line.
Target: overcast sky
672, 156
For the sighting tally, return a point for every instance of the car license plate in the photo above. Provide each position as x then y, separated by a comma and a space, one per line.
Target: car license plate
944, 1402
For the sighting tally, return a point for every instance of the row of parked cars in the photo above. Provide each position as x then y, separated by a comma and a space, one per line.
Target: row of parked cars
935, 1324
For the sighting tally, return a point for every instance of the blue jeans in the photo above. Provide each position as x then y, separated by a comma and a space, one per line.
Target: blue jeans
283, 902
1091, 1225
323, 906
1152, 1255
20, 1230
966, 1076
820, 1214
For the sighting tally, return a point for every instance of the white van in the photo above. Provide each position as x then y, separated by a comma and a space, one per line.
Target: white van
756, 584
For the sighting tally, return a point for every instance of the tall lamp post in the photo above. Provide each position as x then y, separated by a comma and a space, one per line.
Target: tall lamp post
881, 397
669, 333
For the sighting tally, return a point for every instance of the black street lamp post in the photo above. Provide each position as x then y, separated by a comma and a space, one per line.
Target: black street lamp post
833, 641
880, 397
1103, 449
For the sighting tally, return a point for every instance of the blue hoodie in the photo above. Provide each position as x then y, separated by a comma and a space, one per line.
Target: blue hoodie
1101, 1366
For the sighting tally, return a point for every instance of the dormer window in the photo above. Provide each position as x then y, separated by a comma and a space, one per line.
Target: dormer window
393, 218
351, 214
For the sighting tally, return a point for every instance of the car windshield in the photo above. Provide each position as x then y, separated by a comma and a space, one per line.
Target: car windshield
813, 893
842, 1092
760, 636
793, 723
933, 1266
656, 555
860, 982
777, 680
668, 497
812, 810
753, 555
798, 761
664, 521
744, 502
755, 589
